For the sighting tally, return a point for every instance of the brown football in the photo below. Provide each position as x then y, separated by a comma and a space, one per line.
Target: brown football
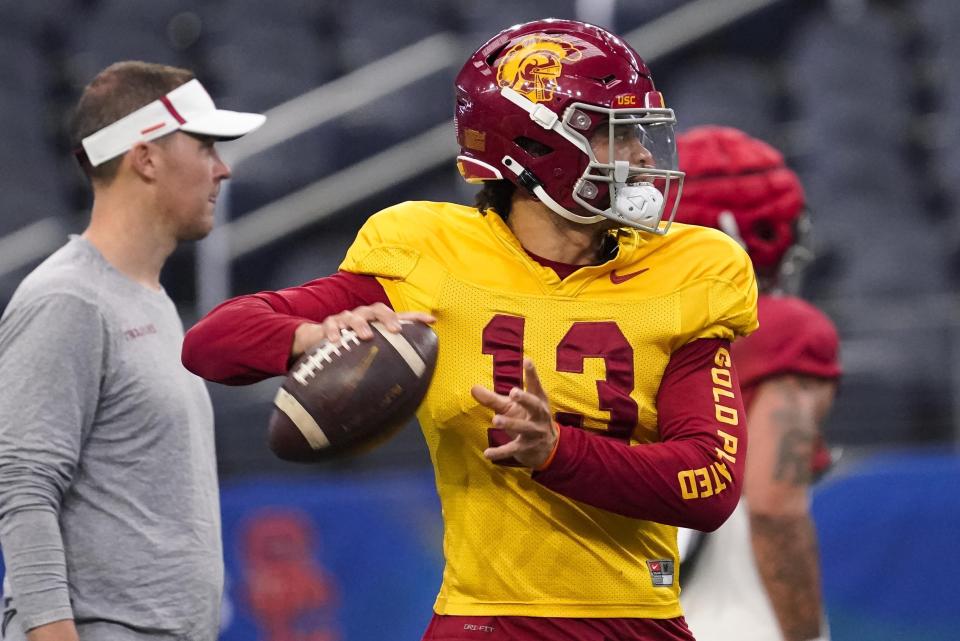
348, 396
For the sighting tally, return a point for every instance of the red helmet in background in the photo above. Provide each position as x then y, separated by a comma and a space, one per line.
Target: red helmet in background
742, 186
529, 102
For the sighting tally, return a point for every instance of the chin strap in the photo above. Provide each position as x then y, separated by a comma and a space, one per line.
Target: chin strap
531, 184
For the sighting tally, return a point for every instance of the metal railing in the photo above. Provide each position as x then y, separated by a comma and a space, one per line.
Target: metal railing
28, 244
363, 86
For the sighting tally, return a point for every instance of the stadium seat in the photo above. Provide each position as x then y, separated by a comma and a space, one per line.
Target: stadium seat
940, 21
266, 70
480, 21
222, 18
23, 70
892, 388
850, 88
260, 55
723, 91
317, 253
848, 83
885, 248
404, 113
630, 15
264, 54
28, 19
372, 29
99, 45
110, 31
283, 169
28, 168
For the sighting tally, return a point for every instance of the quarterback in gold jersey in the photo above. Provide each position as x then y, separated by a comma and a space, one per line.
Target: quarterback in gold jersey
585, 401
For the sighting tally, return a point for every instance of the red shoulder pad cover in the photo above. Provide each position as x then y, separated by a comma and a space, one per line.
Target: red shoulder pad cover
794, 338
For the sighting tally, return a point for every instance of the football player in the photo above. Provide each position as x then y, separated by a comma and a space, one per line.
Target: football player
561, 485
757, 577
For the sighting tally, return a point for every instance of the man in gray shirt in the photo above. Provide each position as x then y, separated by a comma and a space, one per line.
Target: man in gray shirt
109, 508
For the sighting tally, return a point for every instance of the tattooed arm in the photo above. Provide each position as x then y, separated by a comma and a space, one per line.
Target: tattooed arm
784, 421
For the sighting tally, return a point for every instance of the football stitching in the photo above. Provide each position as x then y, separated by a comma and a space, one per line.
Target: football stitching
314, 363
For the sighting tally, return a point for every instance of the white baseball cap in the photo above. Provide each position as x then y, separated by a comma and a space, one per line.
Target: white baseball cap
187, 108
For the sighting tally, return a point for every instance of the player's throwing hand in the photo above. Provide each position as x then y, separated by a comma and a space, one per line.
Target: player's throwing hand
525, 416
358, 320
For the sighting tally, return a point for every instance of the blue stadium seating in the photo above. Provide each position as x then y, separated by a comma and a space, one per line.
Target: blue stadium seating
851, 89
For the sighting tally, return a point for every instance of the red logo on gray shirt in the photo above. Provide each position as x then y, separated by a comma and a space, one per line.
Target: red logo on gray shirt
139, 332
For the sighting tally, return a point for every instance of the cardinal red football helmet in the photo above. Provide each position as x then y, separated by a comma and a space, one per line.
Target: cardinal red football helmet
742, 186
569, 112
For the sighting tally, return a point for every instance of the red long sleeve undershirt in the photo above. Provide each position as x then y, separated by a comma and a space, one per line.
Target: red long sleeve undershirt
643, 481
248, 339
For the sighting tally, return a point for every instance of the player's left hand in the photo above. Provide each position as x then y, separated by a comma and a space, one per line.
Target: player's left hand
525, 416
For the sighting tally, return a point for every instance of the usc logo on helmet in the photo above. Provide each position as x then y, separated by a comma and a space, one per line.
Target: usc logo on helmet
532, 66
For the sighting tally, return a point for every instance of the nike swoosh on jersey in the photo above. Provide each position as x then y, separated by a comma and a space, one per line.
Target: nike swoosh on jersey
617, 279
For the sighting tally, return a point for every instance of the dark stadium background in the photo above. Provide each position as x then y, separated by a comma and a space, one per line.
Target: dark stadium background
863, 96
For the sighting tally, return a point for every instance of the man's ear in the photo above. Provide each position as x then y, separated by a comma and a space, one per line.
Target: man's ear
143, 159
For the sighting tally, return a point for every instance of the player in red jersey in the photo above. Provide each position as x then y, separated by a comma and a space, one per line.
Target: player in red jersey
561, 486
757, 577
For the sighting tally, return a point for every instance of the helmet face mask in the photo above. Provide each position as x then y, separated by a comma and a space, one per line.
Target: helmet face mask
539, 101
633, 154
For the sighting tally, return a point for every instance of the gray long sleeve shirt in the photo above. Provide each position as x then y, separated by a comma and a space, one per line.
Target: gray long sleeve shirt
109, 507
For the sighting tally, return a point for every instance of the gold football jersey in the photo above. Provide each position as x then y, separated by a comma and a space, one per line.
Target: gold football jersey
601, 339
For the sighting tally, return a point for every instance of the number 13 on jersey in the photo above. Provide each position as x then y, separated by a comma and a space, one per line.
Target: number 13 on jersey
503, 339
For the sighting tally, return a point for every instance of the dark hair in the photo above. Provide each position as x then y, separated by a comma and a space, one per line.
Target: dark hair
115, 92
496, 195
